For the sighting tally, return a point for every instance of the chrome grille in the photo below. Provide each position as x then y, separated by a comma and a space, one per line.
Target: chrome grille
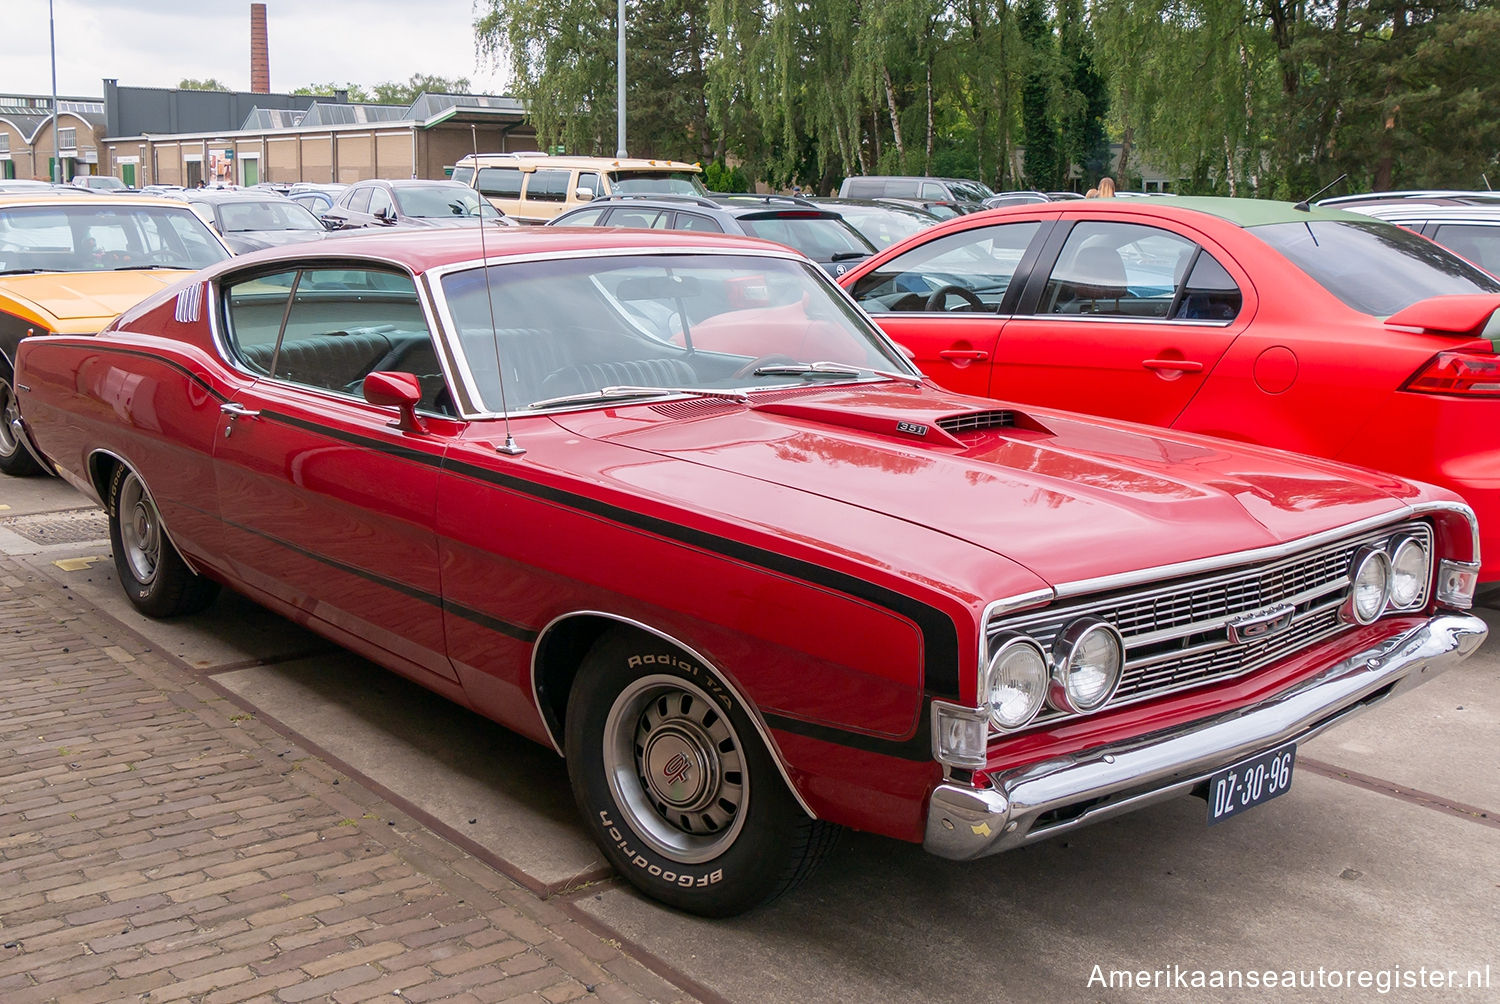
1176, 635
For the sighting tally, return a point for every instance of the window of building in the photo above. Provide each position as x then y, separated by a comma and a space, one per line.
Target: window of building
68, 138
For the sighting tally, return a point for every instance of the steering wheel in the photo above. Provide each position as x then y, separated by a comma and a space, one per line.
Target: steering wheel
774, 359
939, 297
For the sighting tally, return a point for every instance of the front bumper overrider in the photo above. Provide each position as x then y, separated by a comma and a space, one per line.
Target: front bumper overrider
1055, 796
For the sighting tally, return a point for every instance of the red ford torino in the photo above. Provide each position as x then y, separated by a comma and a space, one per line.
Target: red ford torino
672, 505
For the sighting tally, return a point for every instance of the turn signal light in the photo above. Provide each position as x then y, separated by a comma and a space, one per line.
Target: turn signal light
1473, 374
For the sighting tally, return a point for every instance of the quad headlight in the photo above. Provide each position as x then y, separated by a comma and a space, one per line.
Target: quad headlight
1411, 570
1016, 683
1370, 589
1087, 660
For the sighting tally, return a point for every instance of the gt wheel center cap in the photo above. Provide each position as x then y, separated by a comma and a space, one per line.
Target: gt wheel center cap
678, 768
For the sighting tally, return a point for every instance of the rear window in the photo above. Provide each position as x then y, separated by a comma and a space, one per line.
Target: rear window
1375, 268
655, 183
821, 238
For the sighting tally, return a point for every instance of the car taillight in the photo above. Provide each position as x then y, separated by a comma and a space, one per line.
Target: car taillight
1473, 374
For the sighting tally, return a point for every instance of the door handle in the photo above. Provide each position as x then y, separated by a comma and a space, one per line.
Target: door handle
234, 410
1180, 365
967, 355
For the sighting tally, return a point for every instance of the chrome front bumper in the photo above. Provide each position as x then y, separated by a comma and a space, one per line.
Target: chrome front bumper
1055, 796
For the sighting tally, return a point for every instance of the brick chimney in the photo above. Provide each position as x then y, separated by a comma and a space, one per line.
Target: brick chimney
260, 52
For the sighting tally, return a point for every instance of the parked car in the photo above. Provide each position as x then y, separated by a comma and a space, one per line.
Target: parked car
71, 261
964, 194
1253, 320
709, 534
409, 204
880, 223
251, 220
1470, 231
316, 199
1434, 197
934, 207
534, 187
101, 183
821, 234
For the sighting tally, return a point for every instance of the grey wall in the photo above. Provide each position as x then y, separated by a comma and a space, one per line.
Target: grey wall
134, 111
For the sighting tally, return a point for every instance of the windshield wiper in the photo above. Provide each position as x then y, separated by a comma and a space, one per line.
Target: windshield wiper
151, 268
27, 271
625, 392
831, 369
849, 255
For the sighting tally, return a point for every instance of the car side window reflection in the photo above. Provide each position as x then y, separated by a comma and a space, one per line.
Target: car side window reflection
968, 271
329, 328
1127, 270
1209, 294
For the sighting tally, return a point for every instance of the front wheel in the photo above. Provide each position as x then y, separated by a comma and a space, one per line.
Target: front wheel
156, 580
15, 459
676, 787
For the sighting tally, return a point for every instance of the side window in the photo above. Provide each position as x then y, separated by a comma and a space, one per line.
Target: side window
590, 180
640, 219
932, 190
548, 186
1117, 269
339, 326
1479, 244
380, 202
1209, 294
500, 182
969, 271
692, 221
359, 202
582, 218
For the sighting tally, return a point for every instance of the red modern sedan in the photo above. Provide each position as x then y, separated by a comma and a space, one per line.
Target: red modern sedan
1319, 331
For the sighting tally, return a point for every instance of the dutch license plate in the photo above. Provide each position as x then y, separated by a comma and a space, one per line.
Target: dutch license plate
1250, 782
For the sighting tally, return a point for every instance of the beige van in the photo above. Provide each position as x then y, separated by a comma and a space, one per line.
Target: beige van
534, 187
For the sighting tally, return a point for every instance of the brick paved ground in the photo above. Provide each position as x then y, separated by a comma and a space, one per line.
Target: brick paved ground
158, 845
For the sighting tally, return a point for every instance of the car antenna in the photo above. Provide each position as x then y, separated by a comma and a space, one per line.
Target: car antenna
1305, 204
1487, 186
510, 448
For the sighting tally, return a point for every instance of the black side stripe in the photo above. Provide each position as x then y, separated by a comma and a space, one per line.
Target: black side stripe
917, 749
940, 636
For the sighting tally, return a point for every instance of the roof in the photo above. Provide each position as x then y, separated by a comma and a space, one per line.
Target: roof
595, 163
424, 250
12, 200
1240, 212
1425, 212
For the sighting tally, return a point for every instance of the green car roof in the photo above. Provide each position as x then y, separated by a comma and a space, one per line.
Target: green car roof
1259, 212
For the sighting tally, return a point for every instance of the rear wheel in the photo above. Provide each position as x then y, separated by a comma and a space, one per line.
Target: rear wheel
15, 459
676, 786
155, 578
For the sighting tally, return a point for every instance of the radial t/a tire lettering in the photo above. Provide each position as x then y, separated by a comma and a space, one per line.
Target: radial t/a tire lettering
156, 580
675, 784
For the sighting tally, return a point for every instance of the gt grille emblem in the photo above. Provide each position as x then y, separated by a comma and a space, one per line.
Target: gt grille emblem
1261, 624
677, 768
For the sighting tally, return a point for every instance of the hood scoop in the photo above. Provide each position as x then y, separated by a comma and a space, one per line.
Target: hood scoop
978, 421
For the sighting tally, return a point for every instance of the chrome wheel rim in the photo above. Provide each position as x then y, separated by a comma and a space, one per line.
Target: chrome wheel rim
676, 768
140, 530
10, 411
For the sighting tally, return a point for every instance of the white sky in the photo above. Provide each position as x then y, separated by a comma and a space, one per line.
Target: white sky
156, 43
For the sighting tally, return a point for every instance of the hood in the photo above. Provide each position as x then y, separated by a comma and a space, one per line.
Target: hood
83, 302
441, 222
242, 241
1069, 498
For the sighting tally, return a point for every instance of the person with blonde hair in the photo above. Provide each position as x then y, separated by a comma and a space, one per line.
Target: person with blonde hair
1106, 188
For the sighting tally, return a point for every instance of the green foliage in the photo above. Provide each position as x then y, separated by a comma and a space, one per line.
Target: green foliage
719, 177
209, 84
357, 94
393, 92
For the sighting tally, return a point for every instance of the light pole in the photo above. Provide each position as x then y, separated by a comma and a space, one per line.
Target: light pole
619, 83
55, 175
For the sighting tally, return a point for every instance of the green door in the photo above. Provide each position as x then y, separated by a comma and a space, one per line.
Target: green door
127, 174
252, 172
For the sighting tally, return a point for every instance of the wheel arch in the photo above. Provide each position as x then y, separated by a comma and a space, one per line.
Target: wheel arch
560, 649
101, 468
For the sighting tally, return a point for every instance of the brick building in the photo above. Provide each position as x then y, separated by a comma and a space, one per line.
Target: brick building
26, 142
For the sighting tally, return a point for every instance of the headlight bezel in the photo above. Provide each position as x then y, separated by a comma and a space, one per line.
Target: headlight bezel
1419, 598
1371, 556
1008, 646
1065, 651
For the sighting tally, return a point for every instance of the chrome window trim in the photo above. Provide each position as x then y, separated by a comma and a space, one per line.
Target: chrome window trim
1111, 319
751, 710
435, 277
220, 336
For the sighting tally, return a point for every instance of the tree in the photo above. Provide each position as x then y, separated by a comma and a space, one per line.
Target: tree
392, 92
357, 94
209, 84
1039, 131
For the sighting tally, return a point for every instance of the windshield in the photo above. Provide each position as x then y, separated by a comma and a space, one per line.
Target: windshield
692, 322
442, 200
1376, 268
656, 183
272, 214
821, 238
87, 238
973, 191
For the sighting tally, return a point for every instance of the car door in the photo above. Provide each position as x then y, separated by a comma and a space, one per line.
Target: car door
947, 300
350, 211
1122, 319
328, 507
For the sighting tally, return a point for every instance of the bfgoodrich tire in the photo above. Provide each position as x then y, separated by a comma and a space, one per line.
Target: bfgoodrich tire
15, 459
156, 580
676, 786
